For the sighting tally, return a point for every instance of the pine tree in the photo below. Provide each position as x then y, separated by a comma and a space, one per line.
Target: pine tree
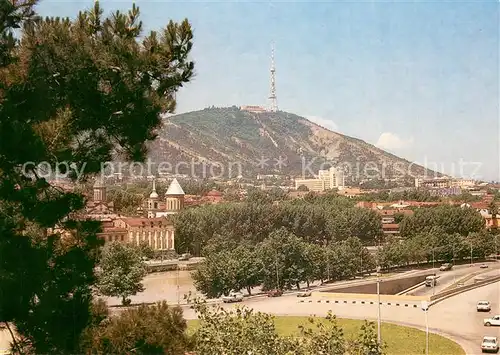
72, 95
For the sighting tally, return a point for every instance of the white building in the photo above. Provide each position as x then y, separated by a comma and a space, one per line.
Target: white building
332, 178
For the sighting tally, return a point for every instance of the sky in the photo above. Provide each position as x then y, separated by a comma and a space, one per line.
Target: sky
418, 79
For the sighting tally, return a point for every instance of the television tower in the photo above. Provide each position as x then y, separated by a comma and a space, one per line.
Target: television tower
272, 92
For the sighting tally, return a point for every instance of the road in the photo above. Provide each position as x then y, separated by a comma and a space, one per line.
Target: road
455, 317
447, 278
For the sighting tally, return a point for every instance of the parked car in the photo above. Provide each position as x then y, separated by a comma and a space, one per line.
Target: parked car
446, 267
233, 297
185, 257
304, 293
483, 306
492, 321
483, 266
489, 344
274, 293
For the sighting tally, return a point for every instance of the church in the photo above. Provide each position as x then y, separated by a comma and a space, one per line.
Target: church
172, 203
155, 229
99, 208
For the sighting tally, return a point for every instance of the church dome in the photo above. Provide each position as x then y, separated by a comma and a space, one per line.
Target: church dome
174, 189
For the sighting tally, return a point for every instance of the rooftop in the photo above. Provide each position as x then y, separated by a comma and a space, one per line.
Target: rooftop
174, 188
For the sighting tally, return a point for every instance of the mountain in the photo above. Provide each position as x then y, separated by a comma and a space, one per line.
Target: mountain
211, 141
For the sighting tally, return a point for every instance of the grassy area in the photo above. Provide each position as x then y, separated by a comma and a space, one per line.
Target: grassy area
399, 340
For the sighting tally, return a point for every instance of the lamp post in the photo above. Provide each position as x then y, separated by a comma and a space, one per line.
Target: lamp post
277, 273
433, 257
425, 308
327, 261
361, 264
178, 291
379, 337
496, 248
471, 252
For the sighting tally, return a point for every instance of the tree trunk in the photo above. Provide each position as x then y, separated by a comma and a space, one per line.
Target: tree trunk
249, 290
298, 285
308, 283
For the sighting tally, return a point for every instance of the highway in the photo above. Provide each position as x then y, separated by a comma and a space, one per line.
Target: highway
455, 317
447, 278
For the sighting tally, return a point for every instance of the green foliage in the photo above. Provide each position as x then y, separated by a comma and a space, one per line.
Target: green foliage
282, 260
420, 195
302, 188
239, 331
324, 338
438, 246
328, 217
449, 219
157, 329
145, 251
367, 343
282, 255
122, 271
74, 92
242, 331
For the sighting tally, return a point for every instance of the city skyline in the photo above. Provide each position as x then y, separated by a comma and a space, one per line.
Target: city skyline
419, 80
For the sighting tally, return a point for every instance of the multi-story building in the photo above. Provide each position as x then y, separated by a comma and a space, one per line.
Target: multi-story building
327, 179
445, 182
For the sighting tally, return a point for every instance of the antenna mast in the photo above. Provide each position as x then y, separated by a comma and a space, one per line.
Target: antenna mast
272, 93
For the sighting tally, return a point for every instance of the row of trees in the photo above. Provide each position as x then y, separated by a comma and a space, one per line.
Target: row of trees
330, 218
315, 218
439, 246
448, 219
282, 260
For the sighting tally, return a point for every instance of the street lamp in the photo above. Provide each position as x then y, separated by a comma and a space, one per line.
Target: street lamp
496, 248
327, 261
471, 252
425, 308
277, 273
178, 291
379, 338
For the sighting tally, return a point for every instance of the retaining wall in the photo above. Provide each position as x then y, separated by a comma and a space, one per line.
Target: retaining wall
446, 294
387, 287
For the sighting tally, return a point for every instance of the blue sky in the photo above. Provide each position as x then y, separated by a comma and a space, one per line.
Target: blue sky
419, 79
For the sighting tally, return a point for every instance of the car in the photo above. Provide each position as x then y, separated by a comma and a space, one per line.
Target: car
185, 257
274, 293
492, 321
233, 297
431, 280
489, 344
304, 293
483, 266
446, 267
483, 306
